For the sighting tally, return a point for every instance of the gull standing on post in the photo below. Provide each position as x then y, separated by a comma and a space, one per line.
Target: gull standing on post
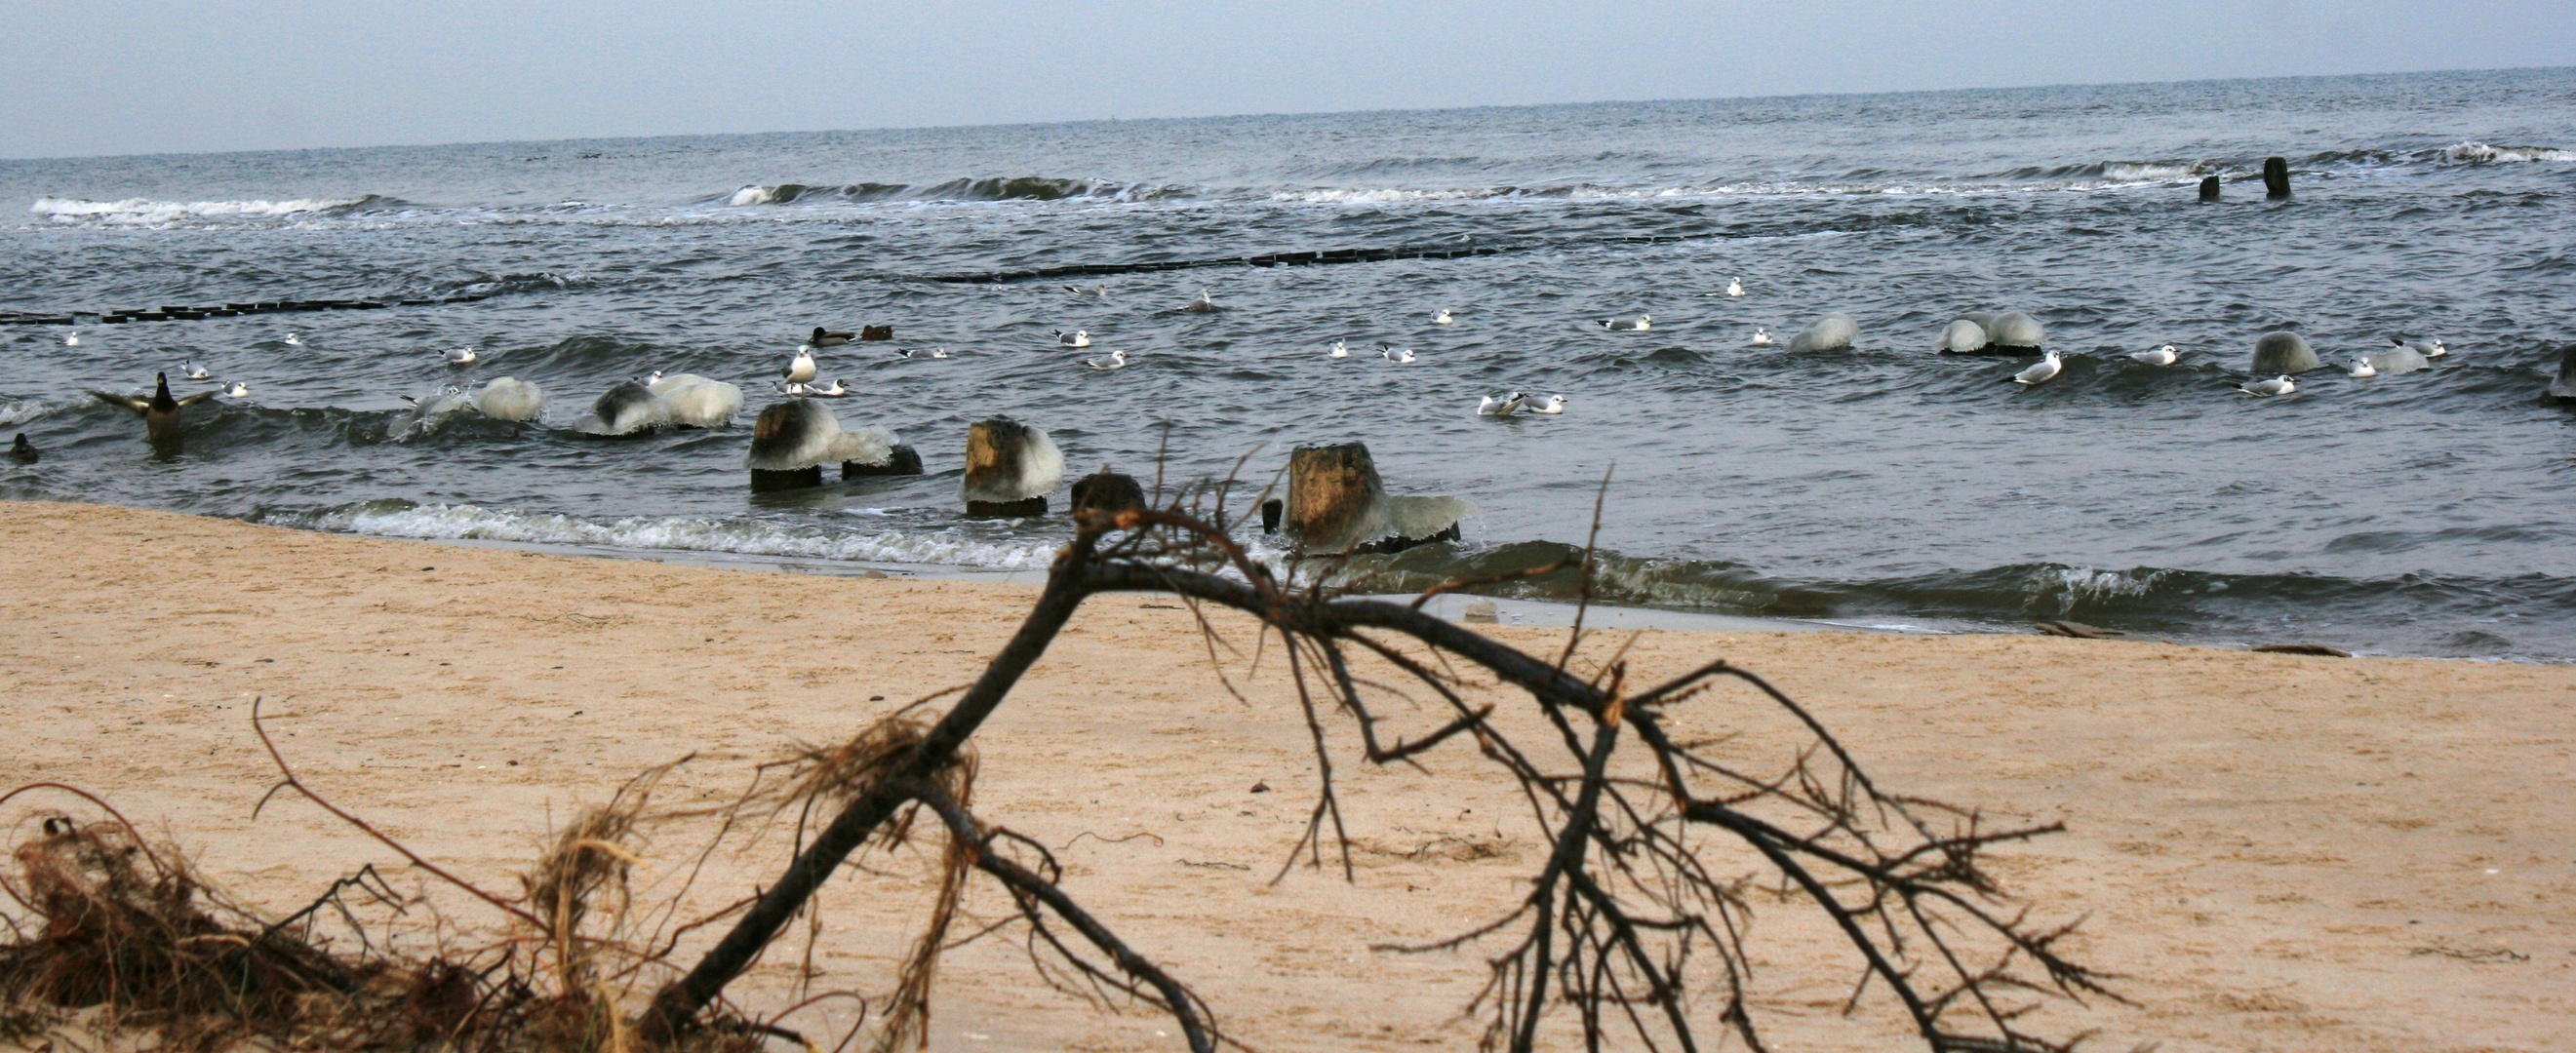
800, 370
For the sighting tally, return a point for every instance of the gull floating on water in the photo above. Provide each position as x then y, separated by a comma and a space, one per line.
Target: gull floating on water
72, 340
1639, 324
291, 341
1761, 337
801, 369
1096, 290
1500, 407
1076, 338
236, 390
2040, 372
2279, 385
833, 392
459, 356
1555, 404
192, 371
1338, 351
1392, 353
2433, 349
1116, 360
1441, 318
1735, 287
2162, 356
938, 352
2361, 367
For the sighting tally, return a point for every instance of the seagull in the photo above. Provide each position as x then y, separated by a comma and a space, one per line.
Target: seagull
459, 356
1555, 404
1096, 290
1339, 351
1441, 318
789, 387
192, 371
2040, 372
1392, 353
1735, 287
291, 341
1076, 338
903, 352
2428, 350
1761, 337
236, 390
830, 337
2361, 367
938, 352
1116, 360
72, 339
1202, 305
2279, 385
2162, 356
833, 392
802, 369
650, 379
1639, 324
1500, 407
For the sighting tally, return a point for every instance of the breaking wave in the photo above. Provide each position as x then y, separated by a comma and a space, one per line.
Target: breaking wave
1015, 188
145, 212
955, 546
2480, 153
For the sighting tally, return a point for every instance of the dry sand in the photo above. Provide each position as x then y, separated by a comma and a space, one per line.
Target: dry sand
2279, 853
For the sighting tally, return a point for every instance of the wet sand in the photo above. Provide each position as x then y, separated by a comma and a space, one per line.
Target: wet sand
2276, 852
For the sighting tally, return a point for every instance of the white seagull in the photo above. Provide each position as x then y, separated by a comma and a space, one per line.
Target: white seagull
2279, 385
2361, 367
1735, 287
1338, 351
2040, 372
1639, 324
291, 341
938, 352
72, 340
1442, 318
1076, 338
459, 356
1116, 360
2428, 350
2162, 356
1500, 407
1555, 404
1096, 290
236, 390
833, 392
801, 369
1761, 337
1392, 353
192, 371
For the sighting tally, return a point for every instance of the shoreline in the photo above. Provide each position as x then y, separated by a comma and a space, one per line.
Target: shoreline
2275, 851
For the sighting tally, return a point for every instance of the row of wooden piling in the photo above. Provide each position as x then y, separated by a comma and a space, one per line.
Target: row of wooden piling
187, 312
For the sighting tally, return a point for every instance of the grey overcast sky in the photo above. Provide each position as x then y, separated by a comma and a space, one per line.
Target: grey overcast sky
86, 77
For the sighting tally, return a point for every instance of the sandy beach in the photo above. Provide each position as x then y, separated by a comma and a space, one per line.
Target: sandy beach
2275, 852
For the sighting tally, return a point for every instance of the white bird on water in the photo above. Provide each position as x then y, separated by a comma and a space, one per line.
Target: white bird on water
2361, 367
1639, 324
1761, 337
192, 371
236, 390
2040, 372
2279, 385
1076, 338
938, 352
2428, 350
1116, 360
833, 392
1735, 287
1338, 351
1555, 404
1392, 353
1500, 407
1442, 318
73, 339
2162, 356
1096, 290
459, 356
801, 369
292, 341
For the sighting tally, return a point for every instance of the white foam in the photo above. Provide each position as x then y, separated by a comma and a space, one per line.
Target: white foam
957, 546
753, 195
144, 212
2475, 152
2065, 587
15, 412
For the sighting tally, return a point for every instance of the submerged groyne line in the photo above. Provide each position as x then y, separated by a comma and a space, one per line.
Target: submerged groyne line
185, 313
1316, 258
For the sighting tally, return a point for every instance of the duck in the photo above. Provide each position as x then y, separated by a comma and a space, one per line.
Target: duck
1392, 353
2162, 356
801, 368
1761, 337
1202, 305
1076, 338
2040, 372
1639, 324
1116, 360
160, 412
2280, 385
1502, 406
21, 451
1338, 351
1441, 318
1554, 405
829, 337
459, 356
1735, 287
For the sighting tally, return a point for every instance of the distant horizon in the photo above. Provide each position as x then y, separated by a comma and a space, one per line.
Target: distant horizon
1114, 118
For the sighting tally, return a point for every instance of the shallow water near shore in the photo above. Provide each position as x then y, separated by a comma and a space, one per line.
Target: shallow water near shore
2425, 514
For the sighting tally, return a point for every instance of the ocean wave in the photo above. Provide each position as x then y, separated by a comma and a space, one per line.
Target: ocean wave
14, 412
145, 212
961, 547
2473, 152
998, 188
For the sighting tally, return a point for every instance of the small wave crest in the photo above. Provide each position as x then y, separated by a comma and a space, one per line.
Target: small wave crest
439, 522
2478, 153
145, 212
14, 412
999, 188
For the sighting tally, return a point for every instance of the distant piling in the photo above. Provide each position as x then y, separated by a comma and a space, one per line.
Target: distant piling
2209, 188
2276, 178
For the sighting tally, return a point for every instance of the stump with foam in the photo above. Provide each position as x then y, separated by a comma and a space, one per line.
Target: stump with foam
1010, 468
1336, 503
